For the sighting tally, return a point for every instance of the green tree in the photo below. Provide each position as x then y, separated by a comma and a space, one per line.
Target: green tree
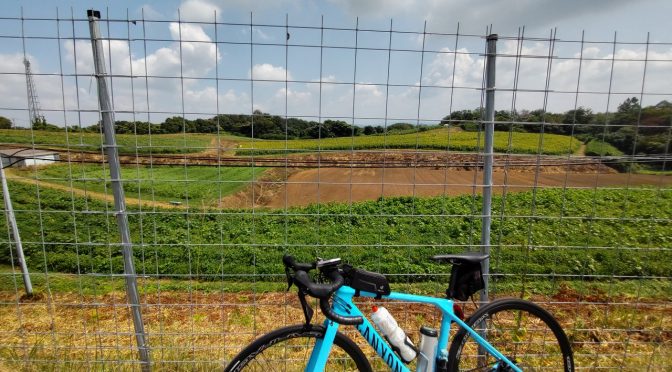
5, 123
627, 112
581, 115
174, 124
369, 129
400, 126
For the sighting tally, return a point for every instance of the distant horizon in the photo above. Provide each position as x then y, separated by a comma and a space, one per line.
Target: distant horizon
387, 122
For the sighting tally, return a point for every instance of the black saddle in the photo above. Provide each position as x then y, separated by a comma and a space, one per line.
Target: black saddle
466, 275
461, 258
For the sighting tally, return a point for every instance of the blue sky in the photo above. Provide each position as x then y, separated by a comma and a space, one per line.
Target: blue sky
173, 78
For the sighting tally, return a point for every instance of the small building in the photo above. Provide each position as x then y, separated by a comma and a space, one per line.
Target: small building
23, 157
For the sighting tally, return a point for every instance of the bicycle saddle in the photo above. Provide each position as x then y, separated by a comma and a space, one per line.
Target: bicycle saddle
469, 257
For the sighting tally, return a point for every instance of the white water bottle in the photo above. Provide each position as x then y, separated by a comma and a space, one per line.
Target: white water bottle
395, 335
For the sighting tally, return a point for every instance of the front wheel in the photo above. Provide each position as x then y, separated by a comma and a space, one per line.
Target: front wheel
289, 349
522, 331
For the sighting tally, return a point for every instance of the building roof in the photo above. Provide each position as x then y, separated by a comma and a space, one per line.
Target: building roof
25, 152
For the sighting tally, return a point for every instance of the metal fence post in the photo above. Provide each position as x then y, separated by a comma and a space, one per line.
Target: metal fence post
489, 124
110, 147
11, 220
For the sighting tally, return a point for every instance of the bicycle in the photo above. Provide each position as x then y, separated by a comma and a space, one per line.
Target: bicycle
489, 340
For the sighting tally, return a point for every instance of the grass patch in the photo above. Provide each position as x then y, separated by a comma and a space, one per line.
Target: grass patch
599, 148
438, 139
572, 288
655, 172
200, 185
128, 143
604, 149
189, 329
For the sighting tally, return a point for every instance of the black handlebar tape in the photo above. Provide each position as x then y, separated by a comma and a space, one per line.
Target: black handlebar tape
340, 319
321, 291
291, 262
315, 289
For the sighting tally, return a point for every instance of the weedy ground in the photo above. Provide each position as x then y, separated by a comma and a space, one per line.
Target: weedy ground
83, 323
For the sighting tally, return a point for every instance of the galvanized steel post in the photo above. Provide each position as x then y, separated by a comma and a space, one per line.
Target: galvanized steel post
110, 147
489, 129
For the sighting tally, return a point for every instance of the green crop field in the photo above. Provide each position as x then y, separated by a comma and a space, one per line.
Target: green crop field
438, 139
128, 143
601, 232
200, 185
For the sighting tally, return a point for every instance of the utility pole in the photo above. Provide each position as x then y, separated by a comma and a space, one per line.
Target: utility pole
33, 102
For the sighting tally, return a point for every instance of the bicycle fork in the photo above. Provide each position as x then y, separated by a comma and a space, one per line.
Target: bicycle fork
320, 353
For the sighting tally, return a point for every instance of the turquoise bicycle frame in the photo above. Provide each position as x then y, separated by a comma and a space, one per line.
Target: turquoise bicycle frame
343, 305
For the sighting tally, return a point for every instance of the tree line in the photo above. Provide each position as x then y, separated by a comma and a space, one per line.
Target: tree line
258, 125
632, 129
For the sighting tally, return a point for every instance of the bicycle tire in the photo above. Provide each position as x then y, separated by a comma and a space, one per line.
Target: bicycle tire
556, 355
247, 359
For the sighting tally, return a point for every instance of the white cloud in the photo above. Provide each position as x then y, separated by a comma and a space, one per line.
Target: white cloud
11, 82
366, 90
150, 12
262, 35
443, 15
194, 57
199, 11
293, 94
50, 92
326, 84
196, 54
266, 71
257, 5
378, 7
467, 70
233, 102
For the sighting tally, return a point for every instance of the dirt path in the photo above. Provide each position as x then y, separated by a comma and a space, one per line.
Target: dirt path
90, 194
352, 185
218, 147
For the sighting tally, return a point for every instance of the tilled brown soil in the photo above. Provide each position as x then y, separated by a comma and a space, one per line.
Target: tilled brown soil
361, 159
356, 184
338, 176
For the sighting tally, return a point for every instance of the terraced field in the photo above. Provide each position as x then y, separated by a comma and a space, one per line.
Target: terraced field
128, 143
196, 185
438, 139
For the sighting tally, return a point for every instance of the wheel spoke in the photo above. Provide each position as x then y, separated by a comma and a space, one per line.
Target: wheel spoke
519, 330
289, 349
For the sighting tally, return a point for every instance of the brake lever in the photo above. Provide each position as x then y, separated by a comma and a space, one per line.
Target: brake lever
290, 281
307, 310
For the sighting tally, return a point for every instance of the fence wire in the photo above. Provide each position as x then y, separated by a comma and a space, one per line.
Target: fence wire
240, 142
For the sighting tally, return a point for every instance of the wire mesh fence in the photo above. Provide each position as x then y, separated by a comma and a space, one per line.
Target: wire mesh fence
239, 142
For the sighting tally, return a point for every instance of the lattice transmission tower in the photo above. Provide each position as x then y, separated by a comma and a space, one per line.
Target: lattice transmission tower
33, 103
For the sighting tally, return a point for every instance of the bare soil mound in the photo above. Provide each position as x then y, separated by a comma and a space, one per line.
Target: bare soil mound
358, 184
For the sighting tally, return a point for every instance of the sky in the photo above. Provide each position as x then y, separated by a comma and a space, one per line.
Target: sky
418, 73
